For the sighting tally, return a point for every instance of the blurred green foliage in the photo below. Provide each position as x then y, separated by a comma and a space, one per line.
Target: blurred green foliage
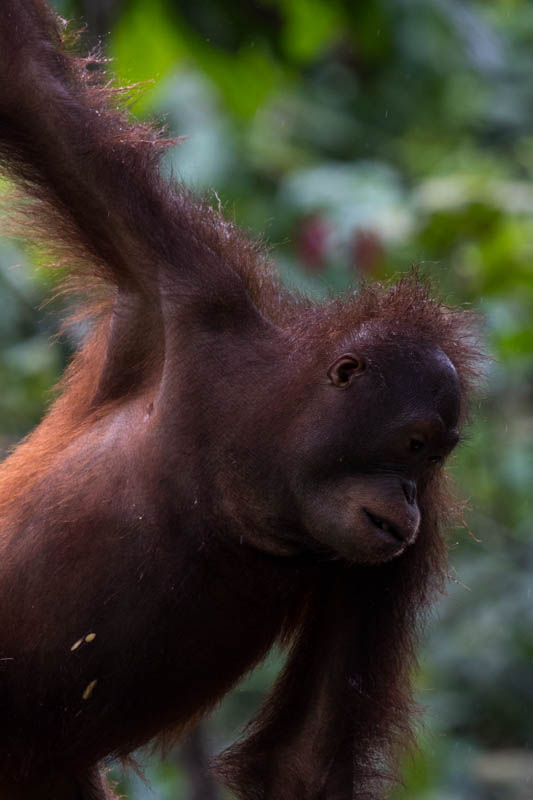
362, 138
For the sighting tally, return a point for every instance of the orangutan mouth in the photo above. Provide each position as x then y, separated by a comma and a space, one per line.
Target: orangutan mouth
385, 526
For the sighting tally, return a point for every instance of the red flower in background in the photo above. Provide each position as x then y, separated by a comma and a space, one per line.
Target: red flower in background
367, 252
311, 240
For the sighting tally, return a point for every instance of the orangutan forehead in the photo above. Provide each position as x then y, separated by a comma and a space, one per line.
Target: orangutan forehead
398, 340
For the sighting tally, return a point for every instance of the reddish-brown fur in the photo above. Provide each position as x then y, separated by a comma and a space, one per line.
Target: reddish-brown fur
158, 503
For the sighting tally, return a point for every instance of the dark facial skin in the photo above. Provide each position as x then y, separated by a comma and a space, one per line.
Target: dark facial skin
387, 416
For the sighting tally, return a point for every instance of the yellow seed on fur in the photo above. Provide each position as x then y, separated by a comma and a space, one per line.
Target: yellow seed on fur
90, 637
89, 690
76, 644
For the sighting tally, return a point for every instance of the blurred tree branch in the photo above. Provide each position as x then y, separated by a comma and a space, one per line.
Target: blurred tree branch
194, 757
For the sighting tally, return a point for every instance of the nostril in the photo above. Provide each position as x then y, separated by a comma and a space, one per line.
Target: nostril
409, 490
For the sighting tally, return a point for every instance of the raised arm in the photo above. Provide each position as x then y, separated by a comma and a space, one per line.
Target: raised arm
94, 173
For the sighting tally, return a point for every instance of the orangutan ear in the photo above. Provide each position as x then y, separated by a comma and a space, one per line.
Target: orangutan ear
344, 369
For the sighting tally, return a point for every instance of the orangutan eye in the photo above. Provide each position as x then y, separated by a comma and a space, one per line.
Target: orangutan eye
344, 369
416, 445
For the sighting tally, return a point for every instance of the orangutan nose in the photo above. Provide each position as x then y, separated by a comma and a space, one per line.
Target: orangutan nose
409, 490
